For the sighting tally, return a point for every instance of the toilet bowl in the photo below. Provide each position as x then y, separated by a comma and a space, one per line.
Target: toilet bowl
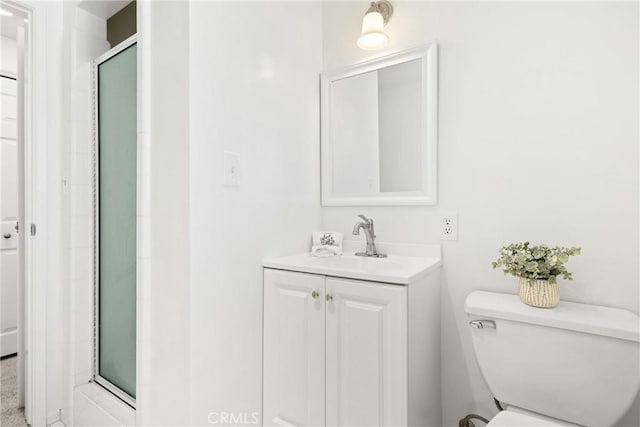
512, 417
576, 364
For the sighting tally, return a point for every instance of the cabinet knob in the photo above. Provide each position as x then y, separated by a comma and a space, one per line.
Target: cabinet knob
329, 298
315, 294
7, 235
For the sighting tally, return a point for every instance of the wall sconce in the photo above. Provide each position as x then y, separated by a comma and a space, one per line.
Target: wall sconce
373, 36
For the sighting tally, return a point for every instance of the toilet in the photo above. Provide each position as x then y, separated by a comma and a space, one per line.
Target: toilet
576, 364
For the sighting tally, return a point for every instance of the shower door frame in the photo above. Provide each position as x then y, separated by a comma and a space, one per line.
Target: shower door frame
95, 178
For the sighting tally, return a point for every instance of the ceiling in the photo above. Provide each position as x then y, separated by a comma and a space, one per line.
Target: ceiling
104, 9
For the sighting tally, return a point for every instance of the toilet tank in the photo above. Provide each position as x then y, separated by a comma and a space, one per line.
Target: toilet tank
576, 362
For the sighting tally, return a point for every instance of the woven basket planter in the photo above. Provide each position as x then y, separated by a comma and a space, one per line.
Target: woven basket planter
539, 293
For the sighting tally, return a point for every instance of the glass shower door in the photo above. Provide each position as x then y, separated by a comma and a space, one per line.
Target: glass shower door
115, 222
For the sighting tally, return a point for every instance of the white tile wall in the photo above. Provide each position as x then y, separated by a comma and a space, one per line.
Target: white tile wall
87, 43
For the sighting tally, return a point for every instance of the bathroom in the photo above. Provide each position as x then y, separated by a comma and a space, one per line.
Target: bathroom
537, 140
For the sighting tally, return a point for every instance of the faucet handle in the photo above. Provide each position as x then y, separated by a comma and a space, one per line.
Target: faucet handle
365, 219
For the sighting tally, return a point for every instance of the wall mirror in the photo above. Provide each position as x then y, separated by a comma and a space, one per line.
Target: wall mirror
379, 131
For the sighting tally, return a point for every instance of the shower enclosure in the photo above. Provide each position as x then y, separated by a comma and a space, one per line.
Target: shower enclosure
114, 225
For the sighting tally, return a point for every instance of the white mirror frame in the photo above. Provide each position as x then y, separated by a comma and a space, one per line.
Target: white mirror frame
428, 54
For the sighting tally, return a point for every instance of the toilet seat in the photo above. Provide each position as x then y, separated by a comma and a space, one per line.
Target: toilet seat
510, 418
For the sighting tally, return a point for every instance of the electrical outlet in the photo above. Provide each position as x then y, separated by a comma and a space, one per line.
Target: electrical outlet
449, 226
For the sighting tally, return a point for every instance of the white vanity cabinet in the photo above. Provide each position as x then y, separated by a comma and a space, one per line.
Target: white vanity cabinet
350, 352
294, 328
365, 353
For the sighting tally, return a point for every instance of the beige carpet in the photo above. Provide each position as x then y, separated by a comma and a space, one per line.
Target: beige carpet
10, 414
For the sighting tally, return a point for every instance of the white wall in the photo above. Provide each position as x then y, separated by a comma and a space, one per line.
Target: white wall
163, 214
255, 91
538, 140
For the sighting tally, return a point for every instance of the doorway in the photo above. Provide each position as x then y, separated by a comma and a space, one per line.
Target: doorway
13, 31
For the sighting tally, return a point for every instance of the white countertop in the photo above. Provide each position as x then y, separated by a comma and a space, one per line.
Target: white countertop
414, 262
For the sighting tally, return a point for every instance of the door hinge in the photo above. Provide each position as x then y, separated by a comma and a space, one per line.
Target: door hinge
33, 229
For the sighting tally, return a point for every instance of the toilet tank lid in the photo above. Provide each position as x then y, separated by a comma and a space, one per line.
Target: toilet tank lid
587, 318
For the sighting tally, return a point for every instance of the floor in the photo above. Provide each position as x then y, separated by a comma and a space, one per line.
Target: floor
10, 414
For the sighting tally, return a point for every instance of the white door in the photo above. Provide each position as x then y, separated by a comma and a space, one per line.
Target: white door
8, 218
366, 354
293, 349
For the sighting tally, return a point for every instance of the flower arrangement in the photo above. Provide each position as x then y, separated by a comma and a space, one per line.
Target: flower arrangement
535, 262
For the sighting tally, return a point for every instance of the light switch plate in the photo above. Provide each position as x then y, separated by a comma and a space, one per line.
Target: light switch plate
231, 169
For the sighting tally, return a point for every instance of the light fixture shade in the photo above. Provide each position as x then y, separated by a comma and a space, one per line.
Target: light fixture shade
373, 36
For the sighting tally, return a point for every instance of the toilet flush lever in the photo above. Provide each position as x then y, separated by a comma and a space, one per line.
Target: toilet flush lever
483, 324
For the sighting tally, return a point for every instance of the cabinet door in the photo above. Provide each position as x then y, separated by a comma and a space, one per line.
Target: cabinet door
366, 354
293, 349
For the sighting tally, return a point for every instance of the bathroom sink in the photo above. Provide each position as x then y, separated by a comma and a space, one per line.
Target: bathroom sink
402, 268
352, 262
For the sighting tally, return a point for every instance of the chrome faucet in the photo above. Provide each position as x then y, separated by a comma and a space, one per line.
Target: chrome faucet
367, 225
